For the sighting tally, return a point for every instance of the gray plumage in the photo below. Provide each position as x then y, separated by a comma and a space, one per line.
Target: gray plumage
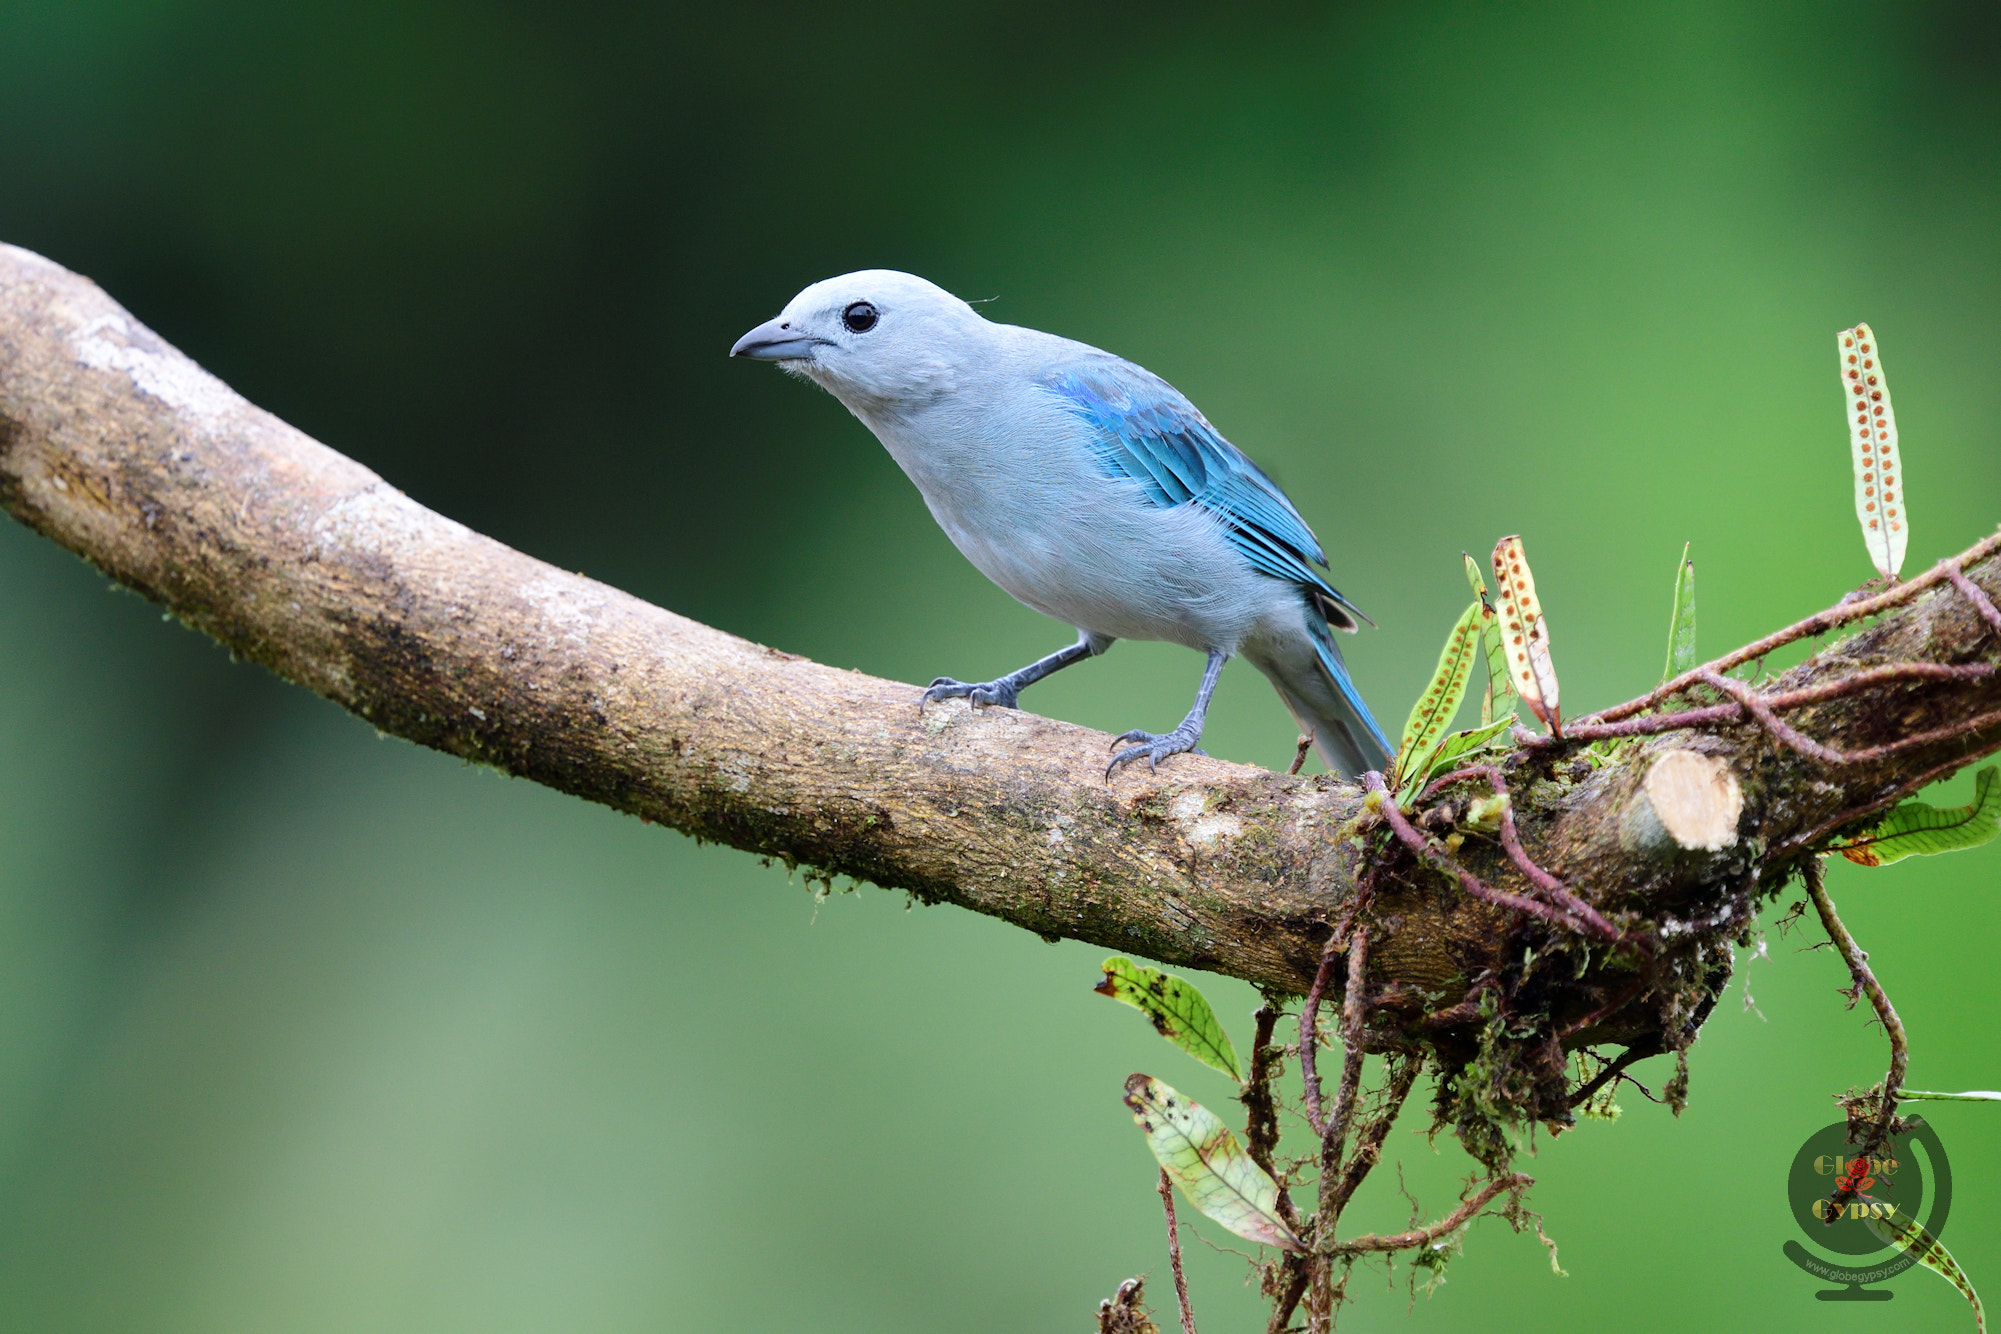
1089, 489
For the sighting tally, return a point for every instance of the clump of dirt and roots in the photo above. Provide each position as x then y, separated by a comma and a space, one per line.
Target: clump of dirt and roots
1578, 989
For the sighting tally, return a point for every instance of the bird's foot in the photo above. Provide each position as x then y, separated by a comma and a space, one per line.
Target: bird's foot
1154, 747
1003, 692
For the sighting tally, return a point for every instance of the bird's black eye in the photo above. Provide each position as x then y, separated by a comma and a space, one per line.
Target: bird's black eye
859, 317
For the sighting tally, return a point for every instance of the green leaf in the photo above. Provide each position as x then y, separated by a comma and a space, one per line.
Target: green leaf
1681, 625
1899, 1229
1971, 1095
1462, 746
1499, 697
1460, 749
1441, 699
1202, 1157
1474, 577
1177, 1010
1916, 828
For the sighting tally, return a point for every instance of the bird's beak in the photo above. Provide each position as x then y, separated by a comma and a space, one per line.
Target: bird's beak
772, 341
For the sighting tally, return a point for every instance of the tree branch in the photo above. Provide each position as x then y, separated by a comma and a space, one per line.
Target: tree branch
118, 447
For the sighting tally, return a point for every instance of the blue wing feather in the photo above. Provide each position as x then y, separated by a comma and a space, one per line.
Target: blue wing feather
1148, 432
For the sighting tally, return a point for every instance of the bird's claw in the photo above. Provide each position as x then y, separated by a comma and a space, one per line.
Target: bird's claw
1153, 747
1001, 692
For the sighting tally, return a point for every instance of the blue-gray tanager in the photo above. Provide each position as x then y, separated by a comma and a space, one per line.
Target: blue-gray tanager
1092, 491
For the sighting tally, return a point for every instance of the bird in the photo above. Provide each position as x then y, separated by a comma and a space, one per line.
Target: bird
1092, 491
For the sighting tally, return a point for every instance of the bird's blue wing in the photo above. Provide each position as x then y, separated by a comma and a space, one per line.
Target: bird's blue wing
1148, 432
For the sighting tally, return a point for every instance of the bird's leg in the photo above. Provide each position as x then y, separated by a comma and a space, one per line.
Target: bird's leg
1006, 690
1153, 748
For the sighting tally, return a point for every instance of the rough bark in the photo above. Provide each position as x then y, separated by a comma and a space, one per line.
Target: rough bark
118, 447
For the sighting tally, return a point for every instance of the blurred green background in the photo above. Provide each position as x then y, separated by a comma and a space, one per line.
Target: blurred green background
305, 1030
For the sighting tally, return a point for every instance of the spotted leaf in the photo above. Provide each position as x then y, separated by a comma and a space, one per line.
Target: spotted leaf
1202, 1157
1872, 443
1440, 702
1899, 1229
1525, 634
1499, 698
1178, 1011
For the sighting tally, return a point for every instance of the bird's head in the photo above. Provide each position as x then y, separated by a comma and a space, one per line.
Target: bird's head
875, 339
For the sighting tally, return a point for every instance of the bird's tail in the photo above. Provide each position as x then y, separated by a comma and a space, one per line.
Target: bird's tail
1326, 705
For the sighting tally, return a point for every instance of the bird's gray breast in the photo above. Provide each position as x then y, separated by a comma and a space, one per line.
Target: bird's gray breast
1013, 480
